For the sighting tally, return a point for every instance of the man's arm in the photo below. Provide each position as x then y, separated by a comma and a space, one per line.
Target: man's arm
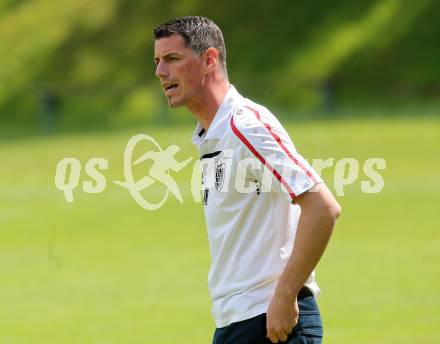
319, 211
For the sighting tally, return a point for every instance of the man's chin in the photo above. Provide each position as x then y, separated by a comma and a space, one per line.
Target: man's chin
174, 103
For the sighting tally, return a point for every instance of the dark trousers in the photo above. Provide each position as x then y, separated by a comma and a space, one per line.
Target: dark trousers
308, 330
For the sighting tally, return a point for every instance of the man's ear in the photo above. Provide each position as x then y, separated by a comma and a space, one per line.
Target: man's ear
211, 59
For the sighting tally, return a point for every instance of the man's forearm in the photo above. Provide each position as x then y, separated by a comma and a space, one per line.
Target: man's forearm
319, 211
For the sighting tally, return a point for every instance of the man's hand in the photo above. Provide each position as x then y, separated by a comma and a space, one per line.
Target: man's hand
282, 316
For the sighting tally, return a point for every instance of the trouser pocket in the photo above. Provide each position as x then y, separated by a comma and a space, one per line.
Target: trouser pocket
309, 328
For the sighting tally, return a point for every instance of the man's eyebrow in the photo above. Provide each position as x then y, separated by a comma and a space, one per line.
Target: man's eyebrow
167, 55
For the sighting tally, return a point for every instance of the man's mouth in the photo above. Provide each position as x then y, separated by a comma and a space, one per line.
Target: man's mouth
170, 88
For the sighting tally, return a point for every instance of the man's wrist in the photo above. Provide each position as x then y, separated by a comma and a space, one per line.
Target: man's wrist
287, 289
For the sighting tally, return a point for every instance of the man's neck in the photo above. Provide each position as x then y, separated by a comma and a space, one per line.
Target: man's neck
212, 99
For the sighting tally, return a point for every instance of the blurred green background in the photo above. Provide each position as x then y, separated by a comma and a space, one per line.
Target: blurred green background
356, 79
81, 64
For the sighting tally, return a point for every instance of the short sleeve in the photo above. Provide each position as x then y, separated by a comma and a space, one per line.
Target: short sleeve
279, 167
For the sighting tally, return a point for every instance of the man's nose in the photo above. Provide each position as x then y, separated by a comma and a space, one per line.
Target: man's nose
161, 70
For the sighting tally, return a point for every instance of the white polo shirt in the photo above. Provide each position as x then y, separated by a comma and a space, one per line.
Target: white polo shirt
251, 174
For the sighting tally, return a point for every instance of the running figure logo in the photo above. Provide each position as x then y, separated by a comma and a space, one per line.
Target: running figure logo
163, 162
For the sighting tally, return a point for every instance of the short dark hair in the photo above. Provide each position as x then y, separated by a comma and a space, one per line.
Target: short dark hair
199, 34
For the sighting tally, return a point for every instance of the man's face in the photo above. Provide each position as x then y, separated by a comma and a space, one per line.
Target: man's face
179, 70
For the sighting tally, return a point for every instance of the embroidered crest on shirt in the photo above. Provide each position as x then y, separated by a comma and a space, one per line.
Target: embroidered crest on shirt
219, 176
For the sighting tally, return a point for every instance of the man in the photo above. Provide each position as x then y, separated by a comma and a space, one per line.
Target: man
269, 226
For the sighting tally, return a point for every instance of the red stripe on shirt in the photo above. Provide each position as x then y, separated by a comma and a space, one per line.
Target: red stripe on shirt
283, 147
262, 160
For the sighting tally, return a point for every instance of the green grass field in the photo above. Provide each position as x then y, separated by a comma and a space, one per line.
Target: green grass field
104, 270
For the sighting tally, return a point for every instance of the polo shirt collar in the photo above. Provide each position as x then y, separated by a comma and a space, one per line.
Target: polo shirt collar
217, 128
